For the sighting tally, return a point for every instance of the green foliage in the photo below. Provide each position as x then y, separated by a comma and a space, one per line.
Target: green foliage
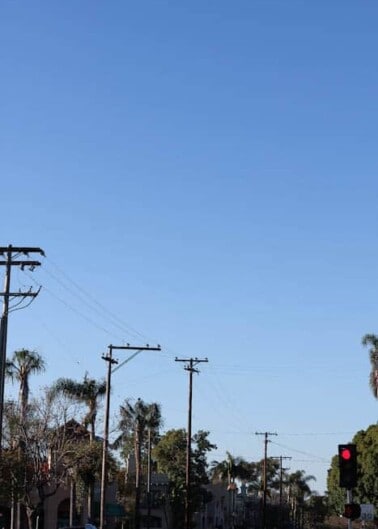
367, 460
202, 446
12, 472
170, 454
336, 495
86, 467
86, 462
235, 468
367, 450
298, 485
135, 420
19, 368
89, 392
38, 453
371, 341
318, 510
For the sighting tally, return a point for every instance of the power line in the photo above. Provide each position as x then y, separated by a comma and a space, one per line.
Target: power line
321, 459
116, 320
94, 305
77, 311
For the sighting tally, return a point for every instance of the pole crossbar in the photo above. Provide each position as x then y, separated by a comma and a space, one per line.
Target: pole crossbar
111, 361
7, 295
190, 367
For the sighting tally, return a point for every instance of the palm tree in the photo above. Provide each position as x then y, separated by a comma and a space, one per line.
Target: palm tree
227, 471
136, 421
299, 490
231, 468
372, 341
88, 392
23, 364
298, 482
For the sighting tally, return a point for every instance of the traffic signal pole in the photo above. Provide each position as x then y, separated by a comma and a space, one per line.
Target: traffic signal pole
348, 478
349, 499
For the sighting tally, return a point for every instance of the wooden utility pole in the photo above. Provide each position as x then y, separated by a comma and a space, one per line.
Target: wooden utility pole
149, 479
111, 361
281, 458
266, 435
190, 363
11, 258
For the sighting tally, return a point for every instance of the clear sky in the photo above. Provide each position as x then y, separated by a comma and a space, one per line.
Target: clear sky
203, 175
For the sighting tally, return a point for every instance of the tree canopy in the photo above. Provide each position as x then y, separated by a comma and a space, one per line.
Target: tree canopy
367, 467
170, 455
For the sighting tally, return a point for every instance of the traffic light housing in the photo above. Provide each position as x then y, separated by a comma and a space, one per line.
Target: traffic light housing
352, 511
348, 466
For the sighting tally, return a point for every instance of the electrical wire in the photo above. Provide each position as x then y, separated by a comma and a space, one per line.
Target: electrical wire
319, 458
94, 303
76, 311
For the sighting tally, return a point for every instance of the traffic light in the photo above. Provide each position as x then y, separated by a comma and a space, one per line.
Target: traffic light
348, 466
352, 511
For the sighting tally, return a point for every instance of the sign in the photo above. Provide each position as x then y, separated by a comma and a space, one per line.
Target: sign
367, 512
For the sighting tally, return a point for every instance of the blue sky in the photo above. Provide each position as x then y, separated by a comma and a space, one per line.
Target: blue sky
205, 173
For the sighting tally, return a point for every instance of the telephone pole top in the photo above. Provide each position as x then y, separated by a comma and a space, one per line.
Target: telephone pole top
190, 367
266, 435
111, 361
11, 257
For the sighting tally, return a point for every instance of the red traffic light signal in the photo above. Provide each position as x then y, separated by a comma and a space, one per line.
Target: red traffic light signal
348, 466
345, 453
352, 511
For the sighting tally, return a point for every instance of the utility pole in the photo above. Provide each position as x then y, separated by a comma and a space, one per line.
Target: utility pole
111, 361
11, 258
281, 458
190, 367
149, 480
266, 435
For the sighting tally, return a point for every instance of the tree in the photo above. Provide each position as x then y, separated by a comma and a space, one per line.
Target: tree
336, 495
11, 463
46, 458
20, 367
88, 392
23, 364
228, 470
366, 490
299, 492
317, 510
371, 341
298, 485
135, 421
235, 468
367, 465
170, 454
88, 463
